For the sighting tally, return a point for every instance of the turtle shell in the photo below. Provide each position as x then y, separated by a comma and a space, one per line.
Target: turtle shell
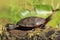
31, 22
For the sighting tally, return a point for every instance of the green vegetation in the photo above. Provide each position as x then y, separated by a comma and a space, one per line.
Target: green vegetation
15, 10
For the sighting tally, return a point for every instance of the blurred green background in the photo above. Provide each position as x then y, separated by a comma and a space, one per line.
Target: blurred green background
12, 11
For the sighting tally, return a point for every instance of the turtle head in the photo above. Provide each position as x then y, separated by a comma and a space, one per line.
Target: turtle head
11, 26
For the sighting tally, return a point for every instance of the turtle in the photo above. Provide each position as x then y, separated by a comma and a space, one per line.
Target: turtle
31, 22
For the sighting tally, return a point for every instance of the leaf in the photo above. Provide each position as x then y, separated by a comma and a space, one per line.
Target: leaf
43, 10
43, 7
54, 20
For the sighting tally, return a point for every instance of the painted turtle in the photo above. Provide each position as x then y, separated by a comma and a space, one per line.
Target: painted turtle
30, 23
